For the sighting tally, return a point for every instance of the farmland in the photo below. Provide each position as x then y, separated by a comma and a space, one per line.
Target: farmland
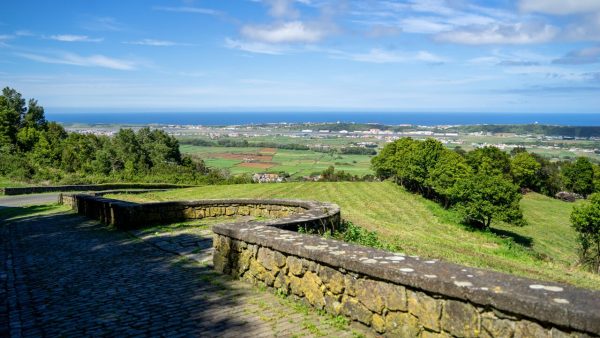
543, 249
297, 163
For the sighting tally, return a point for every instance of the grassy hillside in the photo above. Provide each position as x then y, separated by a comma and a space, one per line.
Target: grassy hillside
544, 249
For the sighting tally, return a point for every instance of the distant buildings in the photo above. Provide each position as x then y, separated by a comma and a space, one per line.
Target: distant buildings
267, 178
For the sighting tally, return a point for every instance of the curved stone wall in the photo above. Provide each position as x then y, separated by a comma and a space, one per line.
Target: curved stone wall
283, 214
395, 294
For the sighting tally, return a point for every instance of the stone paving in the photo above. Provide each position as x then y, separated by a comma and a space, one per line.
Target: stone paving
63, 275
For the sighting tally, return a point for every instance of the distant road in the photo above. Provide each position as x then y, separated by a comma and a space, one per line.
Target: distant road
23, 200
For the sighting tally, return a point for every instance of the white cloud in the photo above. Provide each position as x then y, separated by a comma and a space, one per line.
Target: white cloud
294, 31
4, 37
155, 43
186, 9
255, 47
103, 24
73, 38
560, 7
424, 25
84, 61
516, 33
377, 55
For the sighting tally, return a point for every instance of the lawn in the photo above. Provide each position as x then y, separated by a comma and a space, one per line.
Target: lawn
297, 163
544, 249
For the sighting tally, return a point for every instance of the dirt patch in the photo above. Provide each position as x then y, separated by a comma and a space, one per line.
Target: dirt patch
268, 151
260, 165
243, 157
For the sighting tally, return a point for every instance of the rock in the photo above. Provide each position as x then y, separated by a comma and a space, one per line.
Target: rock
568, 196
525, 328
295, 266
426, 308
402, 324
378, 323
333, 279
271, 260
460, 319
355, 310
495, 327
311, 284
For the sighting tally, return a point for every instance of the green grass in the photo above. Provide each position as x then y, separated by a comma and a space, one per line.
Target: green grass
5, 182
545, 249
295, 162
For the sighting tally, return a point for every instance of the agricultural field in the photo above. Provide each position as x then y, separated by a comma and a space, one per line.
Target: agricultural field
544, 249
297, 163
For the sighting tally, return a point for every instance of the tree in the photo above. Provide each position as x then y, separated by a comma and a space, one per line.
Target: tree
585, 220
597, 178
579, 176
449, 169
480, 198
34, 117
12, 107
393, 158
525, 171
490, 160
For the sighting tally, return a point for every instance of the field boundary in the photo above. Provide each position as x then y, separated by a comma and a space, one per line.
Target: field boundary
87, 187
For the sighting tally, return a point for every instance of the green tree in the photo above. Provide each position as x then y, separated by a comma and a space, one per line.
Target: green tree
448, 170
579, 176
490, 160
597, 178
480, 198
12, 107
585, 220
35, 116
393, 158
525, 171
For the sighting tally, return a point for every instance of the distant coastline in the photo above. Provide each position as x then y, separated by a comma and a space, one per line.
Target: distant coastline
426, 119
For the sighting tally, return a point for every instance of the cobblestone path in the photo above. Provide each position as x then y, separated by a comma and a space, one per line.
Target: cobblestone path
63, 275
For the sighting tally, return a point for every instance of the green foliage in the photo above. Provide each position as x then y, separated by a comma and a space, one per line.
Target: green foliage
525, 171
586, 221
579, 176
489, 160
33, 149
449, 169
351, 233
483, 197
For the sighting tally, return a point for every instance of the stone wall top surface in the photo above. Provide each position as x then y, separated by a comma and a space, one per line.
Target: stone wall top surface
555, 303
86, 187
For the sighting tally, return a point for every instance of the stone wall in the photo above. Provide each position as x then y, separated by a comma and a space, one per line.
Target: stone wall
88, 187
404, 296
283, 214
395, 294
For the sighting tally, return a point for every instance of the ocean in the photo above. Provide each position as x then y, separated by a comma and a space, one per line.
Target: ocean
426, 119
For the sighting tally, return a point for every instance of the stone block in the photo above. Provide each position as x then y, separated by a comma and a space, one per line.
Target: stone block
378, 323
333, 279
460, 319
350, 283
426, 308
401, 324
355, 310
333, 304
311, 284
296, 286
525, 328
491, 326
295, 266
271, 260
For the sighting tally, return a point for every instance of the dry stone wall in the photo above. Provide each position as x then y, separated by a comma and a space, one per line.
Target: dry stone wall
400, 295
395, 294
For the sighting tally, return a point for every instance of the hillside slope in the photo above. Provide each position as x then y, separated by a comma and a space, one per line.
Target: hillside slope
544, 249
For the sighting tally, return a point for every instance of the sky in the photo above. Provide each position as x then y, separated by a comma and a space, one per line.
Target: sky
304, 55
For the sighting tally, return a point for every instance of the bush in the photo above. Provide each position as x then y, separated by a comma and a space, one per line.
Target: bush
585, 220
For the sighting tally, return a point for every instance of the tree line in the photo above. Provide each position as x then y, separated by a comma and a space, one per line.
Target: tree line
33, 149
484, 184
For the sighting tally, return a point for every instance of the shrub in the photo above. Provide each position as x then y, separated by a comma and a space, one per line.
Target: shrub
585, 220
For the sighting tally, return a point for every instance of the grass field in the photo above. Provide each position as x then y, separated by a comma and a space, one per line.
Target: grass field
545, 249
295, 162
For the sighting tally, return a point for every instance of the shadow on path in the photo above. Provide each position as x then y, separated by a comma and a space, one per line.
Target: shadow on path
64, 275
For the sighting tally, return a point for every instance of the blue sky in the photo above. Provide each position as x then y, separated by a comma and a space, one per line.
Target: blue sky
304, 55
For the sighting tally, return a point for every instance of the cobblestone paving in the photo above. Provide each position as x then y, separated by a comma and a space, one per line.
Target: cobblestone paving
63, 275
